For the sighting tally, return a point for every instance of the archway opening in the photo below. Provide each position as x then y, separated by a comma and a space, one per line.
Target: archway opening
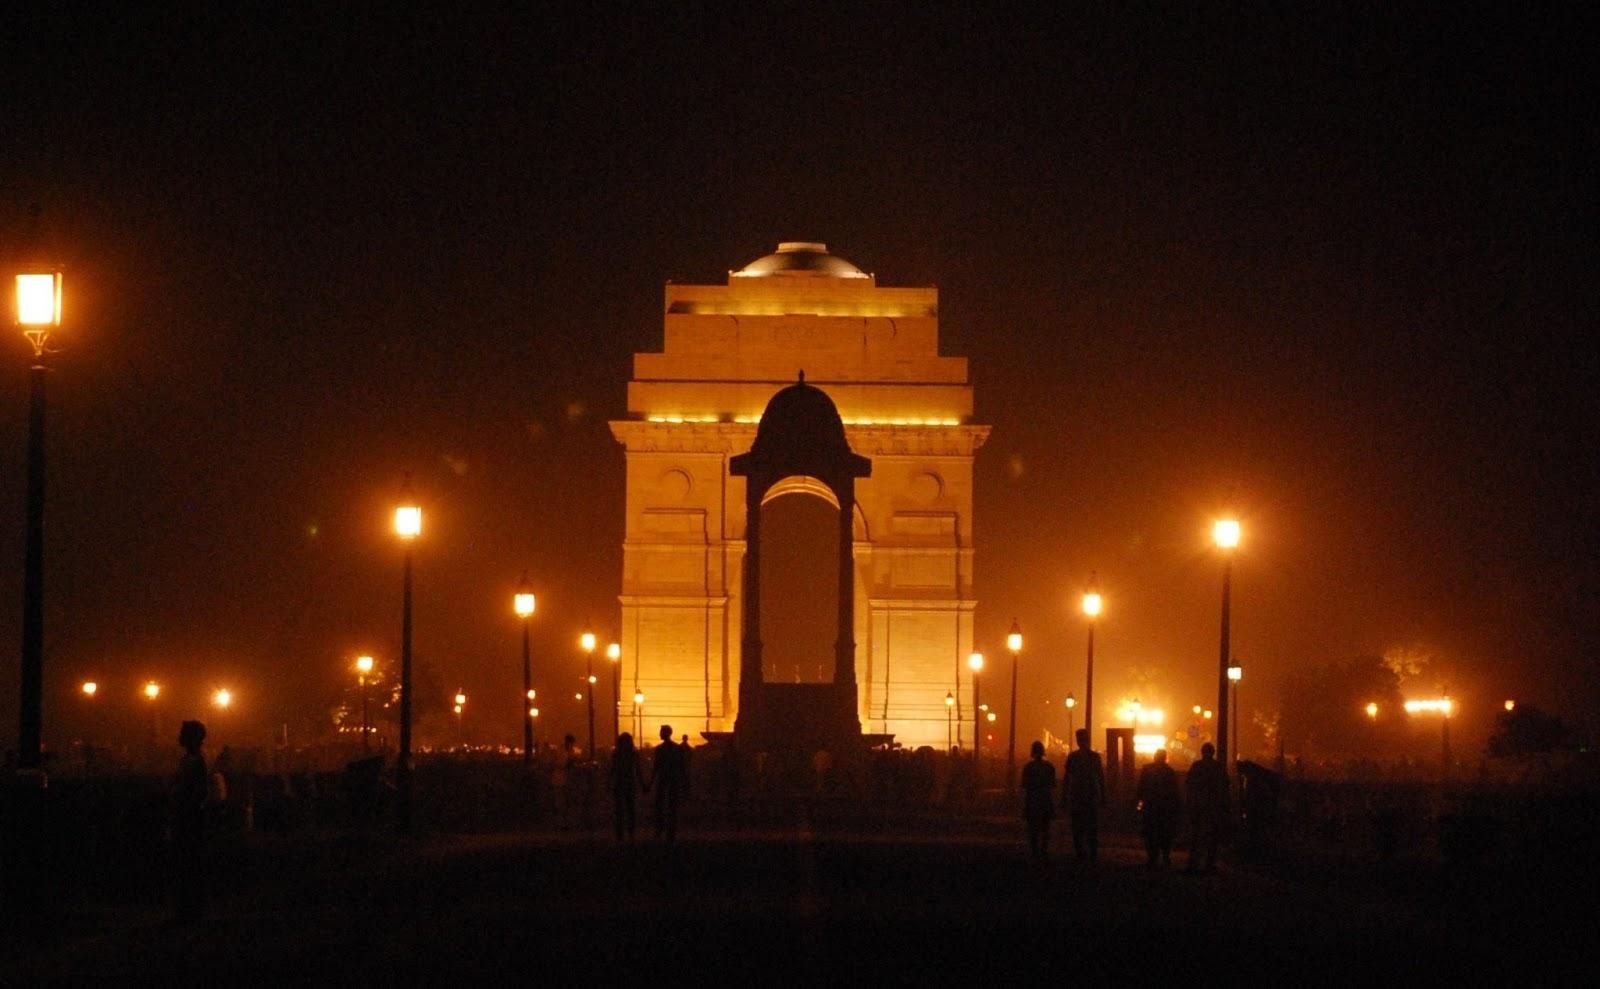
799, 583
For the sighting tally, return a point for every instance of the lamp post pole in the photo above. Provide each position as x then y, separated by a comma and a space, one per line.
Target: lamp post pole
588, 642
949, 721
1072, 702
523, 604
38, 312
975, 661
1235, 674
363, 668
1226, 534
1014, 644
614, 655
1093, 604
408, 525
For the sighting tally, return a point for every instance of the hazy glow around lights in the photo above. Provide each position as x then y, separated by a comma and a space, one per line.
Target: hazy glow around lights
408, 521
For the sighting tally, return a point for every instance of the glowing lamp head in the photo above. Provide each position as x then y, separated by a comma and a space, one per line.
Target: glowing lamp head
152, 690
532, 694
89, 688
363, 665
461, 698
614, 652
38, 301
1226, 533
587, 640
408, 522
1093, 604
1372, 710
950, 700
1511, 705
523, 603
976, 662
1197, 710
1014, 637
533, 712
991, 716
1072, 702
1235, 673
638, 697
223, 698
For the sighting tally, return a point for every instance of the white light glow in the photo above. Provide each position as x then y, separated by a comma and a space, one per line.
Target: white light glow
39, 300
1148, 744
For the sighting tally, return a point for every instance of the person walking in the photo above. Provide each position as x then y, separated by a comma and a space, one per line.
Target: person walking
1083, 793
1038, 793
1207, 797
670, 780
626, 779
1159, 802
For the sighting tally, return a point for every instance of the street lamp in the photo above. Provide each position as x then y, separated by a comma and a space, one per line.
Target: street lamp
949, 721
152, 690
614, 654
223, 698
1092, 606
975, 661
523, 603
638, 714
408, 526
1071, 703
1235, 674
1014, 645
364, 670
1226, 535
461, 703
1372, 711
38, 312
587, 641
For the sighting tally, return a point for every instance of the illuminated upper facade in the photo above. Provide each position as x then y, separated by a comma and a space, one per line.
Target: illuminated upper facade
693, 406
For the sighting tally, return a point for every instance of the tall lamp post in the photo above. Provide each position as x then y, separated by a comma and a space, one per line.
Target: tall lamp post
1226, 534
1014, 645
1235, 674
461, 705
975, 661
152, 691
408, 526
614, 655
1093, 604
523, 603
1071, 703
588, 641
38, 312
364, 670
638, 716
949, 721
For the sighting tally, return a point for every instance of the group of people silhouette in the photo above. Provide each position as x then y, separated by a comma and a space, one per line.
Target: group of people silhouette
669, 779
1159, 799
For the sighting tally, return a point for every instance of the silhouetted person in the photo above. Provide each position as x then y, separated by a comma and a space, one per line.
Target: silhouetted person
190, 789
670, 780
1207, 798
1160, 802
1038, 795
1083, 793
625, 782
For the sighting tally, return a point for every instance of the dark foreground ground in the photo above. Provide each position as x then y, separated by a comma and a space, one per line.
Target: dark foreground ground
809, 904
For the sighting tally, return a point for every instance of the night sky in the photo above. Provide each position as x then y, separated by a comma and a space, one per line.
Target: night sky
1320, 268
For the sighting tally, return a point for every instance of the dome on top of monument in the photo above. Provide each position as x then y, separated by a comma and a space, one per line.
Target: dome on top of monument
800, 259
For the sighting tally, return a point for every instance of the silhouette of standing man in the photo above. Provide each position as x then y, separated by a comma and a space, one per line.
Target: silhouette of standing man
1207, 783
670, 781
1160, 801
1083, 793
189, 792
1038, 784
625, 779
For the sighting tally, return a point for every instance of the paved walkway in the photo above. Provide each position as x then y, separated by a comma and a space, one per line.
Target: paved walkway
776, 907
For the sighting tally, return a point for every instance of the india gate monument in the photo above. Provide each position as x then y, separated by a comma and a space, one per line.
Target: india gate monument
798, 557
